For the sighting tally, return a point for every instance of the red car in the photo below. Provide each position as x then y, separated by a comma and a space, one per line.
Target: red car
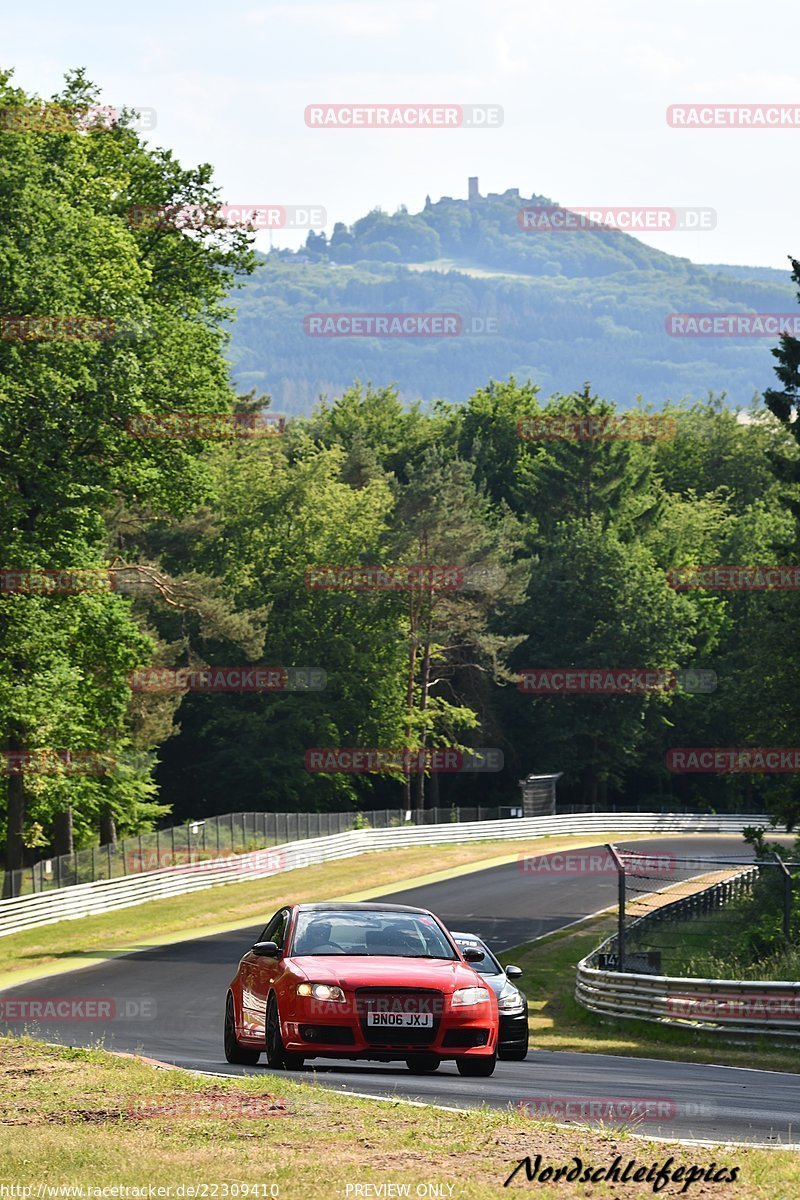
360, 981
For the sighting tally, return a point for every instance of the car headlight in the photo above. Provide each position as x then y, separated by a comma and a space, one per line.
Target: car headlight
511, 1002
470, 995
321, 991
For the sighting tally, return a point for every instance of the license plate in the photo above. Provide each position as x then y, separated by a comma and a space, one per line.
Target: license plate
401, 1020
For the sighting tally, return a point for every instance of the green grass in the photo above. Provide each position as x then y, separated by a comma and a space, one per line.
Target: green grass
558, 1022
730, 943
84, 1117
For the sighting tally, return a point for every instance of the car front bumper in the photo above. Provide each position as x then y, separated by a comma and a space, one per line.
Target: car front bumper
513, 1033
471, 1033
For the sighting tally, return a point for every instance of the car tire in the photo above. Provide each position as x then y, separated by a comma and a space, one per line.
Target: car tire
477, 1067
278, 1058
422, 1064
234, 1052
513, 1055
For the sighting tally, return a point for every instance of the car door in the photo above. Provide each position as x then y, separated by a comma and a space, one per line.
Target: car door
264, 971
255, 979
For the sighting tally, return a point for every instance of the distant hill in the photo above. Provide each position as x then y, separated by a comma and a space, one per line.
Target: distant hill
567, 306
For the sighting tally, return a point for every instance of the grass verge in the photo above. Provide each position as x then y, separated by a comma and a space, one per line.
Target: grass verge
87, 1118
558, 1022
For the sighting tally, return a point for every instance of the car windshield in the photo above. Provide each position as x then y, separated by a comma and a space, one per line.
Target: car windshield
488, 964
397, 935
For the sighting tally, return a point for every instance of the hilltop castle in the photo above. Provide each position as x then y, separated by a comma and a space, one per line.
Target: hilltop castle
474, 196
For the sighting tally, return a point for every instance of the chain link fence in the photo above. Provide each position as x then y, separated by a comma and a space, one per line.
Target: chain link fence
216, 837
706, 918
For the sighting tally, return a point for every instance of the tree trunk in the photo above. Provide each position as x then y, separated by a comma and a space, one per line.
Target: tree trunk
425, 683
108, 828
63, 842
412, 670
434, 790
593, 786
15, 846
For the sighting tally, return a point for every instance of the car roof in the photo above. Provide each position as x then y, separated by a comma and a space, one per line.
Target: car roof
356, 906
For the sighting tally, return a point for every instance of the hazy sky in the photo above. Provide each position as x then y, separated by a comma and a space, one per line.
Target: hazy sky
584, 88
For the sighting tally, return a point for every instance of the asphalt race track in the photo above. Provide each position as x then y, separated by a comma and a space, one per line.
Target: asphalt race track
168, 1002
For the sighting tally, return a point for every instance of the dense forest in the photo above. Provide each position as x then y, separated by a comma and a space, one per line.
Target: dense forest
552, 307
562, 548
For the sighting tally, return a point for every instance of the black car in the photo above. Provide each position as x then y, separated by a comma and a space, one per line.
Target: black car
511, 1002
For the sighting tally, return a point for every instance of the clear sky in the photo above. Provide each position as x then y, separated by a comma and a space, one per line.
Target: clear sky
584, 87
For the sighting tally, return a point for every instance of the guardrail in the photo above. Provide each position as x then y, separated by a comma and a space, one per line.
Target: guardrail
213, 837
722, 1006
48, 908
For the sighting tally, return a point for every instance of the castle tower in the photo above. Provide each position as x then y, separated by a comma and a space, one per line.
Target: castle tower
474, 194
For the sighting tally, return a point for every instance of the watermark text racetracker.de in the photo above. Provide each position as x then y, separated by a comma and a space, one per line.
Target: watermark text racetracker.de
412, 577
228, 679
47, 761
759, 1006
613, 1110
369, 760
741, 760
56, 327
724, 578
607, 681
362, 578
404, 116
732, 324
62, 118
206, 425
196, 217
734, 116
632, 427
398, 324
222, 1107
15, 1010
539, 218
159, 858
595, 862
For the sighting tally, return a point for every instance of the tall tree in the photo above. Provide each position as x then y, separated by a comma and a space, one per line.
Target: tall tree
67, 249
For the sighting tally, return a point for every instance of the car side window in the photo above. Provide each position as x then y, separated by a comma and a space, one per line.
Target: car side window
276, 930
279, 936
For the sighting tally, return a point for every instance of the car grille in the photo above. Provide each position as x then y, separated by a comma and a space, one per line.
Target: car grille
410, 1000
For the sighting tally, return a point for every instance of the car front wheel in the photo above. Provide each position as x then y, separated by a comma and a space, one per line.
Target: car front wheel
234, 1053
278, 1058
477, 1067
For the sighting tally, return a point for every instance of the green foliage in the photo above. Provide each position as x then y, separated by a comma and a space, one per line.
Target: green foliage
567, 306
66, 456
563, 546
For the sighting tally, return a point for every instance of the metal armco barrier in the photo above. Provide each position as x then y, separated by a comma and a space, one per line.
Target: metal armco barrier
726, 1006
48, 908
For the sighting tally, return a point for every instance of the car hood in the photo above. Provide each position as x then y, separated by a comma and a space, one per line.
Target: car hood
498, 983
355, 971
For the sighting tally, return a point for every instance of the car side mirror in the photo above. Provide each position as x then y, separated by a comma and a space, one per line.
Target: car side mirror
513, 972
266, 950
473, 954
